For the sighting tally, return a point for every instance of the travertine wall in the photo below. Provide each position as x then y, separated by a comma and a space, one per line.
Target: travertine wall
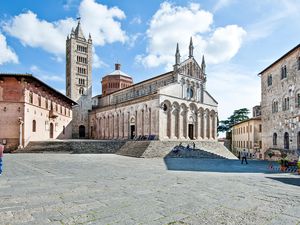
284, 121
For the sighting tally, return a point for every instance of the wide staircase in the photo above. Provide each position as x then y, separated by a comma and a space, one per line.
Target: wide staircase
73, 146
203, 149
134, 148
143, 149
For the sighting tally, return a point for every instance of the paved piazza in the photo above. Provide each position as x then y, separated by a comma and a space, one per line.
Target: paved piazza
111, 189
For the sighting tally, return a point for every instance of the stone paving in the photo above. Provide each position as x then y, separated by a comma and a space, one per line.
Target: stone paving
112, 189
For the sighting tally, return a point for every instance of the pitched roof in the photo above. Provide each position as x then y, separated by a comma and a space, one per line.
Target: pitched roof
78, 31
293, 49
30, 76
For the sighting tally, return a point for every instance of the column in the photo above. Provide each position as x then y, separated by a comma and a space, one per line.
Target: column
204, 124
150, 121
20, 133
197, 135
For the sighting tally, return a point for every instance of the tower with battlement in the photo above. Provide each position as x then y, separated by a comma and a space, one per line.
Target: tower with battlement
79, 79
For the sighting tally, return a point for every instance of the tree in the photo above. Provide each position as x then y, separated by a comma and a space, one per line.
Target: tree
238, 115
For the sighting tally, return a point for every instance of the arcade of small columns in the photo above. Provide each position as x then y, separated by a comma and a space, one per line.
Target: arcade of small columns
117, 124
170, 122
178, 117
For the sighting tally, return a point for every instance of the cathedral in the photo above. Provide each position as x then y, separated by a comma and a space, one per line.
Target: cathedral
171, 106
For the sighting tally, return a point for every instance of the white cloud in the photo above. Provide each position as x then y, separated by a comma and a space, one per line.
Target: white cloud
102, 22
44, 76
221, 4
224, 43
7, 55
34, 32
97, 19
172, 24
136, 20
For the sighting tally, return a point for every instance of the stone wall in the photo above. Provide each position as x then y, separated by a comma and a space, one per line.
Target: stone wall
277, 120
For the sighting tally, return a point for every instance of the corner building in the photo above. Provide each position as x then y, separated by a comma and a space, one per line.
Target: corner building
79, 79
171, 106
280, 104
30, 110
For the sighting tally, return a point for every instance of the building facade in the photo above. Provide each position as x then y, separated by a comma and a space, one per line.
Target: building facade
171, 106
79, 79
247, 135
280, 104
32, 111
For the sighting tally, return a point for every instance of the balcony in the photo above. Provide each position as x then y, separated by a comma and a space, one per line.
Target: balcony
53, 114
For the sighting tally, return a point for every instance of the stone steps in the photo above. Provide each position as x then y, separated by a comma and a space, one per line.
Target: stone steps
73, 146
134, 148
144, 149
163, 148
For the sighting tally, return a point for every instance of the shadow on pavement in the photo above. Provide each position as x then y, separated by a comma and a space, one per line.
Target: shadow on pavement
217, 165
287, 180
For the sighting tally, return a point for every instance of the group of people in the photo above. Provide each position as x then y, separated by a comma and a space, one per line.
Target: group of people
188, 146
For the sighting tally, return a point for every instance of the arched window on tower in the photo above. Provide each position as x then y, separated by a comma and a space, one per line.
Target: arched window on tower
81, 91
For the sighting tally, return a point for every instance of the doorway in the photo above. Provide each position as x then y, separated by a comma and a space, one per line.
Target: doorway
51, 130
132, 131
81, 131
286, 140
191, 131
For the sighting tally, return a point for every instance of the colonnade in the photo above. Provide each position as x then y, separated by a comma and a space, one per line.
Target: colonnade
188, 122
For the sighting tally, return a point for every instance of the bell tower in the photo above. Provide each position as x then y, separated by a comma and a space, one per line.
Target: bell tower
79, 79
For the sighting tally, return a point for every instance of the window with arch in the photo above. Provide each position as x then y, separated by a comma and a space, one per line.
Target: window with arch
275, 106
39, 100
275, 139
33, 126
283, 72
286, 140
46, 104
81, 91
270, 80
286, 104
30, 98
297, 100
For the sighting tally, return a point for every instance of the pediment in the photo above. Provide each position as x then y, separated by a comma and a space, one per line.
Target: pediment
190, 67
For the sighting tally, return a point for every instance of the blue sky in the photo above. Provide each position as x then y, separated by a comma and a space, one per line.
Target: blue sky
238, 39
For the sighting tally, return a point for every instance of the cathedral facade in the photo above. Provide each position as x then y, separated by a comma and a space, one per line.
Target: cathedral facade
171, 106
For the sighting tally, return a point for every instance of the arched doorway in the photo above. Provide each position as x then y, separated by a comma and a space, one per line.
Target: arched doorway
81, 131
191, 131
51, 130
132, 128
286, 140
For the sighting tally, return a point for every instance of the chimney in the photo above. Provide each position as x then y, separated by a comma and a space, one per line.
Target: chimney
117, 66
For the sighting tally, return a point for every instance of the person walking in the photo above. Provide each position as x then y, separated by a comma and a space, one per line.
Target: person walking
194, 145
1, 156
244, 156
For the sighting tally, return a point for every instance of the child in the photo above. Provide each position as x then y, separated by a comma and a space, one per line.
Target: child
1, 156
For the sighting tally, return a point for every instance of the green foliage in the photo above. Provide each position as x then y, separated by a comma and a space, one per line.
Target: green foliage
271, 154
238, 115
